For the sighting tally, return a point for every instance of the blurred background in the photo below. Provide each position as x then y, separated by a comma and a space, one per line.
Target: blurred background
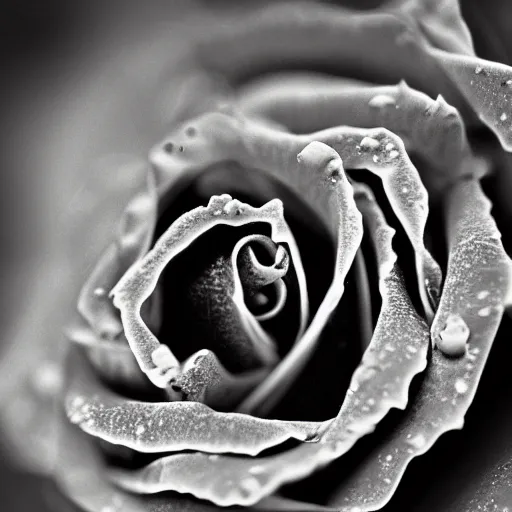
64, 64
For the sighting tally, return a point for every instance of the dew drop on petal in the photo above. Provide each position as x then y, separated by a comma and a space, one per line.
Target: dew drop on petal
503, 117
461, 386
381, 100
453, 338
418, 441
393, 154
369, 143
162, 357
140, 430
99, 292
478, 70
483, 294
250, 485
484, 311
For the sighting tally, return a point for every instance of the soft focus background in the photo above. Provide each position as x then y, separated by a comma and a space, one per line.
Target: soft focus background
61, 62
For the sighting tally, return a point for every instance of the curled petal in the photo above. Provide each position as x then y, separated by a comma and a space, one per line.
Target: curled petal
429, 128
256, 146
397, 352
82, 475
316, 160
476, 289
171, 426
140, 281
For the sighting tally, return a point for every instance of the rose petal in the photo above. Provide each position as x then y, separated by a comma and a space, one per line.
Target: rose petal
429, 128
139, 282
476, 288
171, 426
81, 474
383, 45
396, 354
316, 160
132, 241
254, 145
487, 86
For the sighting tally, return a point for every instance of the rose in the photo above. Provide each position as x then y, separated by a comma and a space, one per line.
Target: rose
313, 157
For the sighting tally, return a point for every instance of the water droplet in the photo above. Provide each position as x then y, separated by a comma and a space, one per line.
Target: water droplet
191, 131
257, 470
483, 294
508, 83
250, 485
387, 481
478, 70
393, 154
389, 458
503, 117
381, 100
405, 190
140, 430
453, 338
461, 386
411, 349
418, 441
375, 158
99, 292
217, 213
162, 357
390, 146
484, 311
369, 143
169, 147
389, 347
213, 457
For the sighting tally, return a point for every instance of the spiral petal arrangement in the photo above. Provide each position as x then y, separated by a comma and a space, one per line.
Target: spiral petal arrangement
203, 315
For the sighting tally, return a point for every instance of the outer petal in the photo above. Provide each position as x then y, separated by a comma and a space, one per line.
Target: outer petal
170, 426
476, 288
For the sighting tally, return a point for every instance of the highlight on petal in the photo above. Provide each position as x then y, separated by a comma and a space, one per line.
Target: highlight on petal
476, 288
397, 352
429, 128
82, 475
171, 426
256, 146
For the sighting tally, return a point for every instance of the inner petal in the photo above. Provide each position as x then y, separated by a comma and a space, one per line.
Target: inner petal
262, 266
198, 287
